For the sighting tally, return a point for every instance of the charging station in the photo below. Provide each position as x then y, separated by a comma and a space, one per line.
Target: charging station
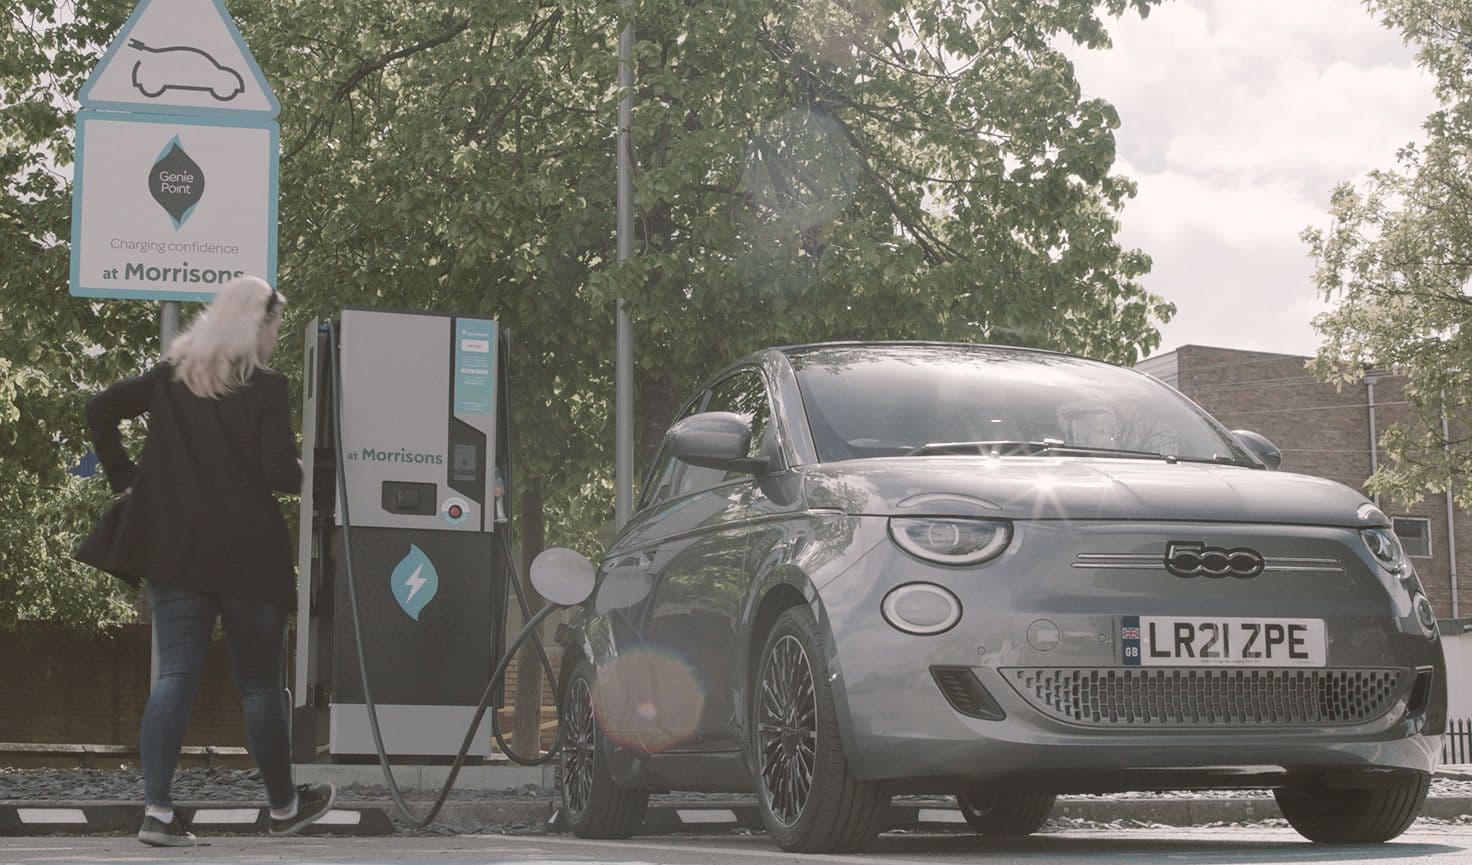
424, 440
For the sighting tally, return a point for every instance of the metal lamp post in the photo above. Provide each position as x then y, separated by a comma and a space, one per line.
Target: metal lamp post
623, 467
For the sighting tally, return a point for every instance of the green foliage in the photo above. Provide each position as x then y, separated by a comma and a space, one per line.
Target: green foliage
42, 580
837, 171
805, 171
1397, 259
46, 368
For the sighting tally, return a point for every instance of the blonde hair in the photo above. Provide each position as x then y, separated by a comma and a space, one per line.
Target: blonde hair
222, 348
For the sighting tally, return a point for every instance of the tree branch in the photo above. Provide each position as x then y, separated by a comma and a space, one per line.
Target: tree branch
367, 68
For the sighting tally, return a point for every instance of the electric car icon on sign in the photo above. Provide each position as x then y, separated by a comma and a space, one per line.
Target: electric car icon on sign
181, 67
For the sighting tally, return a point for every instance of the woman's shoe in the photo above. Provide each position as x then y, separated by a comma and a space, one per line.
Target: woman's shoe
312, 801
175, 833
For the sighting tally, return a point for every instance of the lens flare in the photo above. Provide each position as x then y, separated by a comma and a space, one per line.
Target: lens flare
800, 170
648, 698
839, 33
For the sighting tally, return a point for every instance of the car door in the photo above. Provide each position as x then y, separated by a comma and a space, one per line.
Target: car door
700, 583
623, 599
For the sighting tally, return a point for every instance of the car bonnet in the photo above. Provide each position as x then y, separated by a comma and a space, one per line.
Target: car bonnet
1078, 488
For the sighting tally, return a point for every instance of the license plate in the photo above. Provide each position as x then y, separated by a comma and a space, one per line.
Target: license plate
1192, 641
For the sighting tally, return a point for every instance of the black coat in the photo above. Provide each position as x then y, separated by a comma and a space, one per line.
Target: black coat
201, 513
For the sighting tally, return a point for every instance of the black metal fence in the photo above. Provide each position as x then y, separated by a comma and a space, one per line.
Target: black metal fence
1456, 747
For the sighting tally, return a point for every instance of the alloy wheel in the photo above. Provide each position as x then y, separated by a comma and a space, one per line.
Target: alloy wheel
787, 730
577, 752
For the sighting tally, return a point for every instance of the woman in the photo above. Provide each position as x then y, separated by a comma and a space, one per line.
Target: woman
199, 522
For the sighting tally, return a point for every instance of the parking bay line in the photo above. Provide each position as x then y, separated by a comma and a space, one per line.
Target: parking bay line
51, 816
691, 816
224, 816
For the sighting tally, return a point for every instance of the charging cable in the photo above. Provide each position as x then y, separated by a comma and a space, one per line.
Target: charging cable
532, 623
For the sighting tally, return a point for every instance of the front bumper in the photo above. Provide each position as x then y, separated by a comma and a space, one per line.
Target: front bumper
898, 726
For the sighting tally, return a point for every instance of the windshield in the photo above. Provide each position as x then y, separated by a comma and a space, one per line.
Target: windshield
889, 400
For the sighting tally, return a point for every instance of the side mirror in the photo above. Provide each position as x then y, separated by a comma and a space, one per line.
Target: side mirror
716, 440
1266, 452
564, 577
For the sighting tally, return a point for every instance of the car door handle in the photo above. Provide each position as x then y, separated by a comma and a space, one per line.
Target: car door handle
639, 560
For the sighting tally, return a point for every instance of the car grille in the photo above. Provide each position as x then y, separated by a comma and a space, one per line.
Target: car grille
1114, 697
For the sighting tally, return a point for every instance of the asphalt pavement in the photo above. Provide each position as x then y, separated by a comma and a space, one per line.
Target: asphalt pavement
1432, 845
93, 802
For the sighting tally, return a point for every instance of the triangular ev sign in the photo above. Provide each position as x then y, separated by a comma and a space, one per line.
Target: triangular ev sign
180, 57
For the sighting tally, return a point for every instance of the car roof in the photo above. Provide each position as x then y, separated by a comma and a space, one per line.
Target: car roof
790, 350
918, 343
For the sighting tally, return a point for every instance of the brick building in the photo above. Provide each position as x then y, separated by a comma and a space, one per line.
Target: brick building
1327, 432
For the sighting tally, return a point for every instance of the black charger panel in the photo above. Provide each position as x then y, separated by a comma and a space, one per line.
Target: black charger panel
404, 497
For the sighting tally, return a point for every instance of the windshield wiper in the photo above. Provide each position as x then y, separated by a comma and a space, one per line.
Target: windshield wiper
1218, 459
989, 446
1030, 448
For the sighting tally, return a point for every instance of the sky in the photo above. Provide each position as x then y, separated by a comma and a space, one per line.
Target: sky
1237, 120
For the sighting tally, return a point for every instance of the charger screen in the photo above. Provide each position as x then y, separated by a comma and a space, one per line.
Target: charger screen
463, 463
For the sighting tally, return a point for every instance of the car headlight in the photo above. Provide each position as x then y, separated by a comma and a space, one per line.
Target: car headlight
1385, 547
1425, 616
951, 541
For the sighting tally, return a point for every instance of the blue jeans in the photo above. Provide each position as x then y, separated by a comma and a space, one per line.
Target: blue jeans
256, 634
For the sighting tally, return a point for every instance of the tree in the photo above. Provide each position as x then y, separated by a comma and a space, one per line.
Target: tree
48, 340
817, 170
872, 170
1396, 261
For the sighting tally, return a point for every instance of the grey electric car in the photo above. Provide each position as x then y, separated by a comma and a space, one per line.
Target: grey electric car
860, 570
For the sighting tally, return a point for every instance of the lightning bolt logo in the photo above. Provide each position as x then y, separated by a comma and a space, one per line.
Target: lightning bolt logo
414, 582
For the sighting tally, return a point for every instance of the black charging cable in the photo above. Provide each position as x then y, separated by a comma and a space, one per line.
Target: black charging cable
532, 623
526, 612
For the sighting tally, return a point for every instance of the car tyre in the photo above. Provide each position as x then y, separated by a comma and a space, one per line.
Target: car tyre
593, 804
809, 798
991, 813
1363, 816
